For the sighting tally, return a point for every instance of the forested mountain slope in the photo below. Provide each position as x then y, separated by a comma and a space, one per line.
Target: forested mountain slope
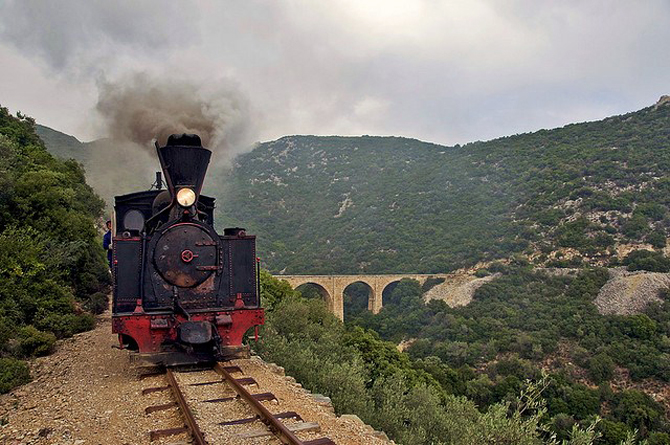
567, 196
374, 204
62, 145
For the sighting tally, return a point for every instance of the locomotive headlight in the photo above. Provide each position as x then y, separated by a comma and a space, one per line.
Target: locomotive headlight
186, 197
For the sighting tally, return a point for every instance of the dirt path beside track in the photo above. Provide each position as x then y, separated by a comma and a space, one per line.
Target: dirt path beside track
87, 393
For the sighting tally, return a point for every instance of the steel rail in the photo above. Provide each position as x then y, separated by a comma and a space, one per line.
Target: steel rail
276, 426
191, 424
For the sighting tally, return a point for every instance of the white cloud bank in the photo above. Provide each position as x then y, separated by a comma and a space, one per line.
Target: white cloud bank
444, 71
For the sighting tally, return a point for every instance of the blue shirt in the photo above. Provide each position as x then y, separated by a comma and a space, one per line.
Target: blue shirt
106, 241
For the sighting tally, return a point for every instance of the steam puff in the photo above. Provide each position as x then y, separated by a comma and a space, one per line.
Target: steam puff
140, 108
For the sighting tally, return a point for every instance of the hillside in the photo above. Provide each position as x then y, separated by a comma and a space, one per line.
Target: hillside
346, 204
584, 193
111, 168
62, 145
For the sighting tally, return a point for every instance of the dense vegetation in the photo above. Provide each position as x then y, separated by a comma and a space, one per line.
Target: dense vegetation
427, 400
526, 321
386, 204
52, 267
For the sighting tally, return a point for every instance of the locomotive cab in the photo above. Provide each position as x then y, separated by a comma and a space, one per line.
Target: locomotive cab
182, 292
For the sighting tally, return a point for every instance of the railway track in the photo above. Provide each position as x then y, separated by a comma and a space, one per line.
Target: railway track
237, 414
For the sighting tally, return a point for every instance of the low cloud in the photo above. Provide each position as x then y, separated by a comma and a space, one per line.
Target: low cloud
86, 37
448, 72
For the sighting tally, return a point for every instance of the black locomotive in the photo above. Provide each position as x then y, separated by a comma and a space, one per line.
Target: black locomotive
182, 292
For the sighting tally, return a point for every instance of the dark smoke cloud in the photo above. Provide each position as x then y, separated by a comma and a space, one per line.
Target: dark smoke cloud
141, 108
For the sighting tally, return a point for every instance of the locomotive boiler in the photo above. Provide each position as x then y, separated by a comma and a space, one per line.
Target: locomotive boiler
182, 292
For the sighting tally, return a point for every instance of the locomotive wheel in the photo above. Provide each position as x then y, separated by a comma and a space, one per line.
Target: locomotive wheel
186, 255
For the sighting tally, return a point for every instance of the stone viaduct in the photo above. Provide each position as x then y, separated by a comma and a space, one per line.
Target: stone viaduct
332, 287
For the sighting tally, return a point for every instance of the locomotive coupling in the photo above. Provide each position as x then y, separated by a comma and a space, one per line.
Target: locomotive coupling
195, 332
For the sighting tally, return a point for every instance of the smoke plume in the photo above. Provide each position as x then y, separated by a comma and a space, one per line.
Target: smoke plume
141, 108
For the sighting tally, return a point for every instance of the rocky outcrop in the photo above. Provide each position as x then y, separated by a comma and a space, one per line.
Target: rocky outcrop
628, 293
458, 290
664, 100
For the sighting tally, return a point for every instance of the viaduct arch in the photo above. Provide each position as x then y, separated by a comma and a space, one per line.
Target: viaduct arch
332, 287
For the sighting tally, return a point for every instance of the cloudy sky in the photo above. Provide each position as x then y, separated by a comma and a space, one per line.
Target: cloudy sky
442, 71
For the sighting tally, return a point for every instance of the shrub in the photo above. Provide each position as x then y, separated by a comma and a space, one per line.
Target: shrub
274, 291
6, 332
522, 369
652, 211
498, 267
637, 410
13, 373
582, 401
611, 432
658, 439
635, 227
55, 254
97, 303
639, 326
601, 368
656, 239
480, 391
562, 425
647, 260
33, 342
66, 325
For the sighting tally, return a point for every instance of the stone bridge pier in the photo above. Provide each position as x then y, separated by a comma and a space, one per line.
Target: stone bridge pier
331, 287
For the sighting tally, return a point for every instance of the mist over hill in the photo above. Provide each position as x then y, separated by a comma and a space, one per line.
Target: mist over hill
581, 194
112, 167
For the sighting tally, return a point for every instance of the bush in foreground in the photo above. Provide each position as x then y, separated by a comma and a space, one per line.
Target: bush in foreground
51, 258
13, 373
33, 342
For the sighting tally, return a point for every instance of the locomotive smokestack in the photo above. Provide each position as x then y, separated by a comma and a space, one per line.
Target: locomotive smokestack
184, 162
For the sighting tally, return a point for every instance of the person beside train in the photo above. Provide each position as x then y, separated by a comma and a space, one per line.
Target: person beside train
107, 243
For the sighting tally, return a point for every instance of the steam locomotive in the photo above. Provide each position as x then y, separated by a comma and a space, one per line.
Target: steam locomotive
182, 293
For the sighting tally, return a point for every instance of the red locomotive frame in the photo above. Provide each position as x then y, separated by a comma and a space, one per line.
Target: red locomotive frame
152, 331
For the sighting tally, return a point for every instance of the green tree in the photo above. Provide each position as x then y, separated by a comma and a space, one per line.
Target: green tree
51, 260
